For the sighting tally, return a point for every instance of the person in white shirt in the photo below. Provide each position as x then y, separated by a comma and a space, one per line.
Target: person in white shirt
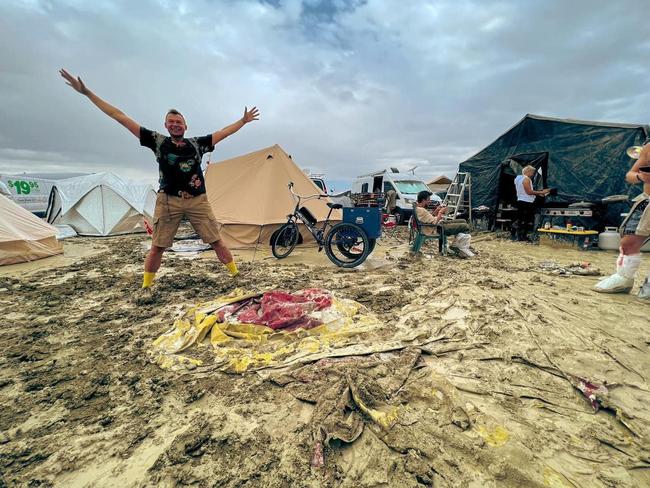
525, 203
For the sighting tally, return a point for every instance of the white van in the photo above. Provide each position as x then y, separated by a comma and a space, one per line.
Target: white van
406, 187
319, 182
317, 178
30, 193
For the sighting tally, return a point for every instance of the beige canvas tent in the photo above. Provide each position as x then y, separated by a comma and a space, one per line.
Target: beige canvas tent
438, 184
250, 198
23, 236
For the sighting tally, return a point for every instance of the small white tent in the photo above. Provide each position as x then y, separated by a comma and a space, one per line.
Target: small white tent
101, 204
23, 236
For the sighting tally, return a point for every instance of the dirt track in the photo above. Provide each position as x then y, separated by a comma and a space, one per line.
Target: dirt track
494, 402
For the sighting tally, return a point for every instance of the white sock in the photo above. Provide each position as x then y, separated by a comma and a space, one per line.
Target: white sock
627, 266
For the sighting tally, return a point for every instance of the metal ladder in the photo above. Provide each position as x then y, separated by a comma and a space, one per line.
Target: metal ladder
459, 196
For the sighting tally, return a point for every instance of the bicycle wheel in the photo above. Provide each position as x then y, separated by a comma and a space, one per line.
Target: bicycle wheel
347, 245
354, 252
285, 240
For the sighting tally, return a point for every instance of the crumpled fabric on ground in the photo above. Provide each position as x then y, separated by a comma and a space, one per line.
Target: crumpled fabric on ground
348, 393
347, 328
581, 269
596, 393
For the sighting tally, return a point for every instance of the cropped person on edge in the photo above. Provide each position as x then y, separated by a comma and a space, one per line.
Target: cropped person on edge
635, 231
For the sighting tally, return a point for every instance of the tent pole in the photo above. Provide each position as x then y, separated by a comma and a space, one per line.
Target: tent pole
259, 236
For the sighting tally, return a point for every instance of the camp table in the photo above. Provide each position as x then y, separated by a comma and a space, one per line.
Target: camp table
582, 239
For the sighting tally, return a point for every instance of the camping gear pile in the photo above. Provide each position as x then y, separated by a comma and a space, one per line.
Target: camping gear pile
368, 199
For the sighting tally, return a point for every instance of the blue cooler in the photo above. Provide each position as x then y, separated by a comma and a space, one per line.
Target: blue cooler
369, 218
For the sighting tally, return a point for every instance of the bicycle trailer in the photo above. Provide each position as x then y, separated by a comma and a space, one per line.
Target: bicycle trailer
368, 218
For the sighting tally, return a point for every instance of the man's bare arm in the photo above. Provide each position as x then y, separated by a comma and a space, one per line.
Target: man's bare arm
249, 116
634, 176
426, 217
113, 112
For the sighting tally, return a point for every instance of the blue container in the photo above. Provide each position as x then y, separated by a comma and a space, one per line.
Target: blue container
369, 218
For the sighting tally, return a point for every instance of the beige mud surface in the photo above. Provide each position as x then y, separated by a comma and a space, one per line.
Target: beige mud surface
493, 401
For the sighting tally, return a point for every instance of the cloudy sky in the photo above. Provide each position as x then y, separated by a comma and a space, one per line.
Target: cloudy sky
345, 86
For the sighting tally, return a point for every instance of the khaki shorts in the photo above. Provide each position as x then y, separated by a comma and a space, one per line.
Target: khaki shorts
169, 212
637, 221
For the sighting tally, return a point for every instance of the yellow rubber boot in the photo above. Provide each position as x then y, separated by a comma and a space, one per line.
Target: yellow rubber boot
147, 281
232, 268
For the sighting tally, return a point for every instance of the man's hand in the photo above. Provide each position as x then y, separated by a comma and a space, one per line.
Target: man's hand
644, 176
635, 175
75, 83
113, 112
249, 115
441, 211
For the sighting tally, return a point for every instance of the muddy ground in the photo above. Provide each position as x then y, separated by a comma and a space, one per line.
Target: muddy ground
495, 401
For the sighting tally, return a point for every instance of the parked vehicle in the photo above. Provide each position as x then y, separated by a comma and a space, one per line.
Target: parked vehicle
406, 187
29, 192
319, 182
347, 244
317, 178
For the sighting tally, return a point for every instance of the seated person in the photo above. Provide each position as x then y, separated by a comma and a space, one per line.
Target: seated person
451, 227
426, 217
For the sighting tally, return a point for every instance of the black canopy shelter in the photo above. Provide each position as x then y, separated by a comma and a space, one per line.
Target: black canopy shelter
584, 160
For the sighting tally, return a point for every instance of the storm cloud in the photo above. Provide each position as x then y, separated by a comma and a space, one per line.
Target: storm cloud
346, 87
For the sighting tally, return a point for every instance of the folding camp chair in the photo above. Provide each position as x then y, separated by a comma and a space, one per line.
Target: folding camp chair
444, 229
389, 228
420, 236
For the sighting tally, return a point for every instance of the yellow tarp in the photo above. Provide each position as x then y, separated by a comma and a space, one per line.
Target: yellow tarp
241, 347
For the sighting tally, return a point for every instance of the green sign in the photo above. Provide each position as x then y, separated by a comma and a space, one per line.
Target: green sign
23, 187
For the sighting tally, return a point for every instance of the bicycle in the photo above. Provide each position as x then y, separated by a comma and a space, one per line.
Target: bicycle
346, 244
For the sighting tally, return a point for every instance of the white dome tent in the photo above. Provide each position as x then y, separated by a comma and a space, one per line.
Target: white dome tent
101, 204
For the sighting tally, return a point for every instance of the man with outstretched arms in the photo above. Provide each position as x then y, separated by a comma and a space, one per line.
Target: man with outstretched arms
182, 187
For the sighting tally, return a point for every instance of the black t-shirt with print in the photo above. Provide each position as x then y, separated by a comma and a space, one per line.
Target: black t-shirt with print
179, 164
